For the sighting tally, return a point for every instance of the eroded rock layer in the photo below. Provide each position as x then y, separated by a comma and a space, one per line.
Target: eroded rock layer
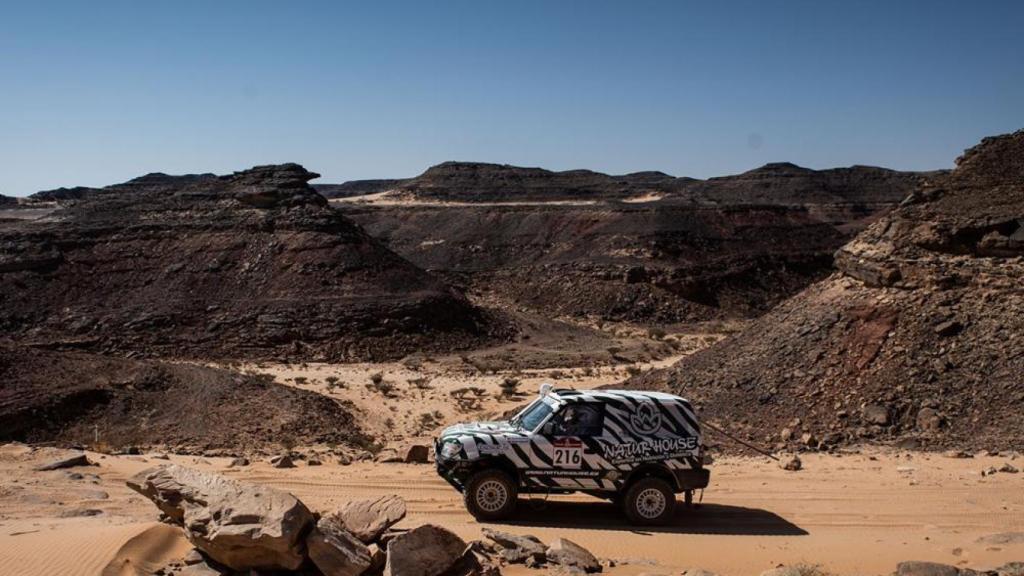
253, 264
918, 336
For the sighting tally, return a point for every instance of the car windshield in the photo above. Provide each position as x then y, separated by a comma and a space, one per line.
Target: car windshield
534, 414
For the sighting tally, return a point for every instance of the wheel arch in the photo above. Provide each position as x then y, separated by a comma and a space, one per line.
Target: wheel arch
651, 470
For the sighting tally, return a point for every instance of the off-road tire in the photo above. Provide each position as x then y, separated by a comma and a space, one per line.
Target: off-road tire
483, 492
649, 502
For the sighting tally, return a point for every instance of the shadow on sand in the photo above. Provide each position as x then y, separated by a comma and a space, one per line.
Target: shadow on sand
701, 519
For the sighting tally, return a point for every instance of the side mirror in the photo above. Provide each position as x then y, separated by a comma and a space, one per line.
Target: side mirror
548, 428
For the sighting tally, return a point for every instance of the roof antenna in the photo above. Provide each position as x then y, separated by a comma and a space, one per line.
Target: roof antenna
747, 444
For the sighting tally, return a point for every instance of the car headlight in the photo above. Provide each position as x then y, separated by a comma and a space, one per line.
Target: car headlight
451, 449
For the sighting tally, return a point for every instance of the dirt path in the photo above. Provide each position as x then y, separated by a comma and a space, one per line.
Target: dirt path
856, 514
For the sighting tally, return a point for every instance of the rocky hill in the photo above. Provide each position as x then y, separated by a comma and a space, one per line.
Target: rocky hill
916, 338
253, 264
477, 181
8, 201
644, 247
356, 188
71, 397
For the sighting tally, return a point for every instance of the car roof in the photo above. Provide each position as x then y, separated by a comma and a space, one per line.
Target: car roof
570, 395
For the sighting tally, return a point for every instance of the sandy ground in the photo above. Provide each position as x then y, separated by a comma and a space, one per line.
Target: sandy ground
852, 514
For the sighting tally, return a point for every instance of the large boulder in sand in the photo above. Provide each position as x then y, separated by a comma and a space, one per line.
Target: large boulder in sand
570, 554
915, 568
242, 526
335, 551
368, 519
428, 550
66, 461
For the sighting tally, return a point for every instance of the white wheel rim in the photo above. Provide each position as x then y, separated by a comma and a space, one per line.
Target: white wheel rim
650, 503
491, 495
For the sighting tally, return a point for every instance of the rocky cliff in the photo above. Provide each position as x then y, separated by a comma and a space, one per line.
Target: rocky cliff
917, 337
643, 247
253, 264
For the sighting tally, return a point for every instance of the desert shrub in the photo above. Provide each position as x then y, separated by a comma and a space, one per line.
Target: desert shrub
300, 380
509, 387
377, 377
656, 333
421, 383
633, 370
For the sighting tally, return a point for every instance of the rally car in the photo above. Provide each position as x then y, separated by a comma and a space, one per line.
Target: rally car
638, 449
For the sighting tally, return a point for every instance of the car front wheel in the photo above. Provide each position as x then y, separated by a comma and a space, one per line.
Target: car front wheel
491, 495
650, 502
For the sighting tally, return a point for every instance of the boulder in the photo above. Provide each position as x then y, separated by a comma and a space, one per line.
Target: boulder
1008, 468
282, 461
417, 454
570, 554
68, 461
697, 572
335, 551
875, 414
792, 463
368, 519
239, 525
516, 548
238, 462
1011, 569
914, 568
428, 550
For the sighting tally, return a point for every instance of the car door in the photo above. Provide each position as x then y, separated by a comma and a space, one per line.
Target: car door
570, 438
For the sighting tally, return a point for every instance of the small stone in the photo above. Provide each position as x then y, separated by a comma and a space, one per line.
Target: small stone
1008, 468
282, 461
241, 461
792, 463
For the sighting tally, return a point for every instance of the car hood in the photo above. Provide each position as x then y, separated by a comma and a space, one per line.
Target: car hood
497, 427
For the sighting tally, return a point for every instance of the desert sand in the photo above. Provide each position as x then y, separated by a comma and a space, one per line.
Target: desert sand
856, 513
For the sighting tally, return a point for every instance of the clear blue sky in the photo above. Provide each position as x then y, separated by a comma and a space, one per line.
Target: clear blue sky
97, 92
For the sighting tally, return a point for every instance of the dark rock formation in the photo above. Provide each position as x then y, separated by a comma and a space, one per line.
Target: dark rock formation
356, 188
254, 264
643, 247
71, 397
917, 337
8, 201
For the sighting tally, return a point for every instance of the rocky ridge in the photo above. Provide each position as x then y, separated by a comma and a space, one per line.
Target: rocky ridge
643, 247
916, 338
250, 265
75, 398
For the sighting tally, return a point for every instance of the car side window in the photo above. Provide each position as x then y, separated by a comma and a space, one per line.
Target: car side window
584, 419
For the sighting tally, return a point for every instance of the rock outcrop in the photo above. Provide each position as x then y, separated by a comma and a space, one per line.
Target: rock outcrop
250, 265
368, 519
916, 337
640, 247
68, 396
427, 550
239, 525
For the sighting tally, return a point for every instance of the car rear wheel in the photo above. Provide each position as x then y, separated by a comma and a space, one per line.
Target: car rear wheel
490, 495
650, 502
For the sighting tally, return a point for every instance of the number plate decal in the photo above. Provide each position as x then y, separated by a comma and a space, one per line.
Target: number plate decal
568, 452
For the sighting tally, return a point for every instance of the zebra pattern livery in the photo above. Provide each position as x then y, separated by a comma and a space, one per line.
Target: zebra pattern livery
632, 428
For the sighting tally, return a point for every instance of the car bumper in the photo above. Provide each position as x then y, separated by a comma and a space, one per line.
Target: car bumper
692, 479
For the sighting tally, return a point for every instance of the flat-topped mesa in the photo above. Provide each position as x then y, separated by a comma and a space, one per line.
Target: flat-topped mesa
250, 264
480, 181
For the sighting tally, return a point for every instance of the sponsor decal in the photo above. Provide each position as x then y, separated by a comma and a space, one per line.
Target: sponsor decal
650, 449
646, 420
563, 473
568, 452
489, 449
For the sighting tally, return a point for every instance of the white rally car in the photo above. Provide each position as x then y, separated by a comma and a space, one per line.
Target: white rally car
639, 449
